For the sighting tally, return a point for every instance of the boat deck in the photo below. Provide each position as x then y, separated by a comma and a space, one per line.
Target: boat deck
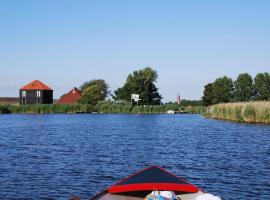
107, 196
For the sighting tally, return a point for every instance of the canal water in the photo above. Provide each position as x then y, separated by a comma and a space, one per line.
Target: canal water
59, 156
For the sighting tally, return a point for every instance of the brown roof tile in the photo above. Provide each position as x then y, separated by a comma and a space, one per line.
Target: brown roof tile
36, 85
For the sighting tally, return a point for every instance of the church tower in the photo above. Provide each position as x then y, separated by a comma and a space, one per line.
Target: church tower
178, 99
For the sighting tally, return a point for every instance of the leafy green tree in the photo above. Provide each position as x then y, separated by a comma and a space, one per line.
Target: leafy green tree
185, 102
208, 94
262, 86
141, 82
243, 88
100, 83
91, 95
172, 106
222, 90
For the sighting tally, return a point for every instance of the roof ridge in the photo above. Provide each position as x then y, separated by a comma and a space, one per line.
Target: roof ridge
35, 85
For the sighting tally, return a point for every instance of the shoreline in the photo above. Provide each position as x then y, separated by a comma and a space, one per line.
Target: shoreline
242, 112
88, 109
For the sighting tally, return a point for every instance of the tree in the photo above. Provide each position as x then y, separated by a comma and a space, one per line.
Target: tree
185, 102
222, 90
208, 94
262, 86
91, 95
100, 83
243, 87
141, 82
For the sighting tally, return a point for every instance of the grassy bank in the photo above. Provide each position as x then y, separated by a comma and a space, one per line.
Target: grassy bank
127, 107
44, 109
251, 112
101, 107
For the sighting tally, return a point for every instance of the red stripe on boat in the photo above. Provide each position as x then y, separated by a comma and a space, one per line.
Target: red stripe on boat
153, 186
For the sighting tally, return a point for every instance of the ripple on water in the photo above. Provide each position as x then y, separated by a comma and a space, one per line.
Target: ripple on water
59, 156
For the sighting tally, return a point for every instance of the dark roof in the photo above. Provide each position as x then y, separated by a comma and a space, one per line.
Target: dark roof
152, 178
36, 85
71, 97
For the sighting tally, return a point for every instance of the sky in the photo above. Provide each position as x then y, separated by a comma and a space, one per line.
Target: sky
190, 43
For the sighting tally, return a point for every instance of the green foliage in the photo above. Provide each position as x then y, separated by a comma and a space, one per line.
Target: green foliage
222, 90
262, 86
101, 107
4, 109
91, 95
249, 113
185, 102
100, 84
243, 88
208, 94
46, 108
127, 107
253, 112
195, 109
141, 82
114, 106
172, 106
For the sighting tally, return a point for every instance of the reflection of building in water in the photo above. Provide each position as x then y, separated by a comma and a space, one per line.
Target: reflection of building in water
178, 100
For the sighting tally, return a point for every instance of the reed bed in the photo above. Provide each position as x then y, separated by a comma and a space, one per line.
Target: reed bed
45, 108
250, 112
102, 107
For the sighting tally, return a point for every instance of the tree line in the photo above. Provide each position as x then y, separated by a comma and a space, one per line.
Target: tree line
140, 82
244, 88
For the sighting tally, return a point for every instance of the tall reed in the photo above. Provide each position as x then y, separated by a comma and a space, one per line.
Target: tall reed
252, 112
45, 108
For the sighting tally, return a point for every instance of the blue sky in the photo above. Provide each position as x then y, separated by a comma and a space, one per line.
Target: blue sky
189, 43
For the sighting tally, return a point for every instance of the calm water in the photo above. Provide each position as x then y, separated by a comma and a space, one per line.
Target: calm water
59, 156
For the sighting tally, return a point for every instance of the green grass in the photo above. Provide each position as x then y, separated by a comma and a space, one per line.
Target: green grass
101, 107
45, 108
128, 108
251, 112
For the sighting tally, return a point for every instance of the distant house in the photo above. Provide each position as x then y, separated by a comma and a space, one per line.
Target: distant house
71, 97
36, 92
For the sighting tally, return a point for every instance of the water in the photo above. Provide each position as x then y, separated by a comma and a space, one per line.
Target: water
59, 156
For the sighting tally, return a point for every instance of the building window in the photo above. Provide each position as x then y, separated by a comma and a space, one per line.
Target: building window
38, 93
23, 93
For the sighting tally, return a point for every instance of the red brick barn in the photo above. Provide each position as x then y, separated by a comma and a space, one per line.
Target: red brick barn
71, 97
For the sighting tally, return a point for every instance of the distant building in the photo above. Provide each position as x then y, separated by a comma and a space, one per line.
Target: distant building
178, 99
36, 92
71, 97
9, 100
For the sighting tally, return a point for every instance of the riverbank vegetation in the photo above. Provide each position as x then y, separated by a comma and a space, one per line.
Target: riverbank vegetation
251, 112
127, 107
109, 106
243, 100
244, 88
45, 108
141, 82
